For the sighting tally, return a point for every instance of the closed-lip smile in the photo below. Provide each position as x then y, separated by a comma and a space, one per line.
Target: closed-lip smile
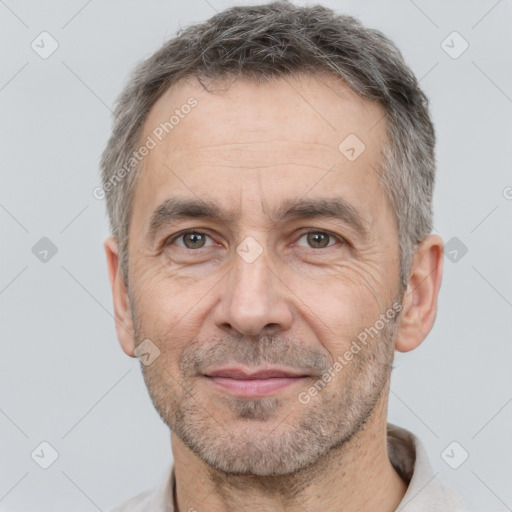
243, 382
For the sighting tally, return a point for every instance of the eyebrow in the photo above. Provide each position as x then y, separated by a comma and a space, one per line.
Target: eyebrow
176, 209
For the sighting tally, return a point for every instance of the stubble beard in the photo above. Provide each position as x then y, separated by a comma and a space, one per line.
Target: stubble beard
243, 436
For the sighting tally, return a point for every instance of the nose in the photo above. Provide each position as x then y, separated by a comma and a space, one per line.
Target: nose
254, 300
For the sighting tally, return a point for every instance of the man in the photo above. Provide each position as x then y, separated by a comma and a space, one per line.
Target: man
269, 185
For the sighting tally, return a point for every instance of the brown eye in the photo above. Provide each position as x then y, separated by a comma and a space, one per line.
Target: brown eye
192, 240
319, 239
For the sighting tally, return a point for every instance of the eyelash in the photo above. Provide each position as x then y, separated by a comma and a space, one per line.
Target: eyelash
173, 238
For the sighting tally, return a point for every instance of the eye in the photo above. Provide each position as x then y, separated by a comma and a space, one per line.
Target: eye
319, 239
197, 240
189, 240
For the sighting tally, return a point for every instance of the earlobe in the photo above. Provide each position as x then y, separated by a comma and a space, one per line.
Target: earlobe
121, 300
420, 299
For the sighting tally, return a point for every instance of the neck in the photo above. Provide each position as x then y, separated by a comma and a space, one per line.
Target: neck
358, 475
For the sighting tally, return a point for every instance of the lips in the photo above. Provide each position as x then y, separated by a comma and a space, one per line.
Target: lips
243, 383
241, 374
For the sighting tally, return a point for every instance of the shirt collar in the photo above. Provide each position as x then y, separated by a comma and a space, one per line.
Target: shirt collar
424, 493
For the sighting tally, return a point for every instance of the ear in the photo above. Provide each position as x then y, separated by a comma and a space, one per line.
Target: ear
122, 308
420, 299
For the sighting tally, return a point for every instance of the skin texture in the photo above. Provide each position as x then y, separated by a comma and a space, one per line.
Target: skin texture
298, 305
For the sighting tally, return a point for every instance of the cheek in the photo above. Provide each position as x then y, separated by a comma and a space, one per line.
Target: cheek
367, 286
166, 299
170, 312
340, 305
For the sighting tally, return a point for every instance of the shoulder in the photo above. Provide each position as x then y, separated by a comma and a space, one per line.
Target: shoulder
138, 503
157, 499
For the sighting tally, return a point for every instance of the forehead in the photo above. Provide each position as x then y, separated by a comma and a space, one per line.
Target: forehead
294, 130
246, 111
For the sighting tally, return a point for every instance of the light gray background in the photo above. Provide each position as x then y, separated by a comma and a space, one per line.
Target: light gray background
64, 378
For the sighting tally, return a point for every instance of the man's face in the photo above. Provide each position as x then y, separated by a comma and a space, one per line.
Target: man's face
287, 277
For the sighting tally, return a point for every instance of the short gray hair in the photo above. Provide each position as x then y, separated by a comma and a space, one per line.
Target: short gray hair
271, 41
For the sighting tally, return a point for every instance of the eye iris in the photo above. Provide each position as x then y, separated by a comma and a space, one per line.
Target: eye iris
316, 240
194, 240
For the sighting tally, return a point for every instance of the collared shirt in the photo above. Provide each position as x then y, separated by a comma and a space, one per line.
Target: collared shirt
406, 453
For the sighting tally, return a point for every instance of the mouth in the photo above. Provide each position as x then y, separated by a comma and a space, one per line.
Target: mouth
243, 383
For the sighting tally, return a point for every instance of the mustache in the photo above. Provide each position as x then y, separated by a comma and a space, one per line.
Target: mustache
275, 350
